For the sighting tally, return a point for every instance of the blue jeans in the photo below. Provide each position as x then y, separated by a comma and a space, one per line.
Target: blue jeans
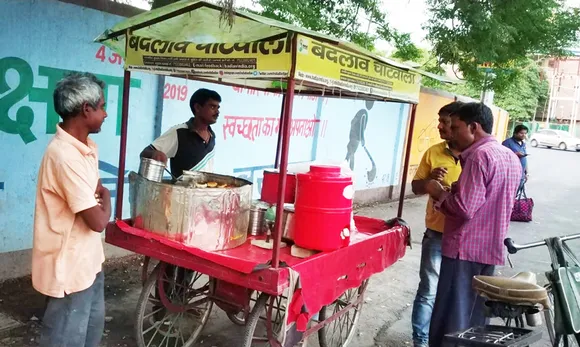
425, 298
457, 306
77, 320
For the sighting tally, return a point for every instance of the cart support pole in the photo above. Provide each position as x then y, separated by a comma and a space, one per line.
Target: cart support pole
285, 135
407, 159
278, 147
123, 147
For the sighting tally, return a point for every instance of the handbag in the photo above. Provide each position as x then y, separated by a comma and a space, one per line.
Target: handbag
565, 280
523, 206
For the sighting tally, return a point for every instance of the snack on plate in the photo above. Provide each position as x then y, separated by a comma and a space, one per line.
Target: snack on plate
210, 185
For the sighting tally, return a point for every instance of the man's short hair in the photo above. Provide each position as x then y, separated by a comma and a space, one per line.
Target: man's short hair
519, 128
201, 96
450, 108
476, 112
74, 91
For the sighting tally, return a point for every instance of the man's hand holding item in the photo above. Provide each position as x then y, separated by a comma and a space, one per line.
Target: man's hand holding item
159, 156
434, 189
438, 174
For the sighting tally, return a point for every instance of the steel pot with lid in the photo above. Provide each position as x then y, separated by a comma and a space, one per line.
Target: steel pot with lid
151, 169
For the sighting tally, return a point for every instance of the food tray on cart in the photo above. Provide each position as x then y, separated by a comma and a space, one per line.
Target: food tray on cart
323, 276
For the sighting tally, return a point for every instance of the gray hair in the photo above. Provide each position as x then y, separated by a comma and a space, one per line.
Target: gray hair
75, 90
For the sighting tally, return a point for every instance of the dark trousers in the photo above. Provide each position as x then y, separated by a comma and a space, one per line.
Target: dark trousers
457, 306
77, 320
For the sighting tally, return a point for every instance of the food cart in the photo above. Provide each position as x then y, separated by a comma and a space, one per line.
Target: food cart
279, 298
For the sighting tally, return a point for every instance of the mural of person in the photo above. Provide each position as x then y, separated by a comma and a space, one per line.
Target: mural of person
357, 137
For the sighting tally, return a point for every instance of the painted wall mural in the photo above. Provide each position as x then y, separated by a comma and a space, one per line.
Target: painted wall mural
369, 136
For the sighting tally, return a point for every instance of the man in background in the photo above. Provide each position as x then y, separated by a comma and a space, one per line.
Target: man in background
72, 209
477, 213
517, 144
440, 162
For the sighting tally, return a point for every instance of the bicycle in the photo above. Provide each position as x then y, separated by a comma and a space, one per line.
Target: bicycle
512, 299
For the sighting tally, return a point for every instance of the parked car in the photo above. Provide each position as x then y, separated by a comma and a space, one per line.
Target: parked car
555, 138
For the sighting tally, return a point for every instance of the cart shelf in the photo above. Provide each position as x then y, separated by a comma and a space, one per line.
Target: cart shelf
323, 277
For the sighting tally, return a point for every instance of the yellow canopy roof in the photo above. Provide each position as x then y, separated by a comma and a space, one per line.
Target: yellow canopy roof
185, 39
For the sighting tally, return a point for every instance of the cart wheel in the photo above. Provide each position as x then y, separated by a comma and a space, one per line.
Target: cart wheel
340, 332
172, 310
240, 317
256, 326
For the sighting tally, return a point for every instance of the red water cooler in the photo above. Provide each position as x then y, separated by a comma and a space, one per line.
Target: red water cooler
323, 208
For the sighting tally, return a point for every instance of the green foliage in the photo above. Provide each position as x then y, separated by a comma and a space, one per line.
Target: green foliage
466, 33
427, 62
525, 97
406, 50
339, 18
522, 98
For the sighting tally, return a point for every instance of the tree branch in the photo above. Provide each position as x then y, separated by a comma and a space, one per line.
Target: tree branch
352, 21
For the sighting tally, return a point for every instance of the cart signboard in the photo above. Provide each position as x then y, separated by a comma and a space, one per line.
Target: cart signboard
335, 67
231, 60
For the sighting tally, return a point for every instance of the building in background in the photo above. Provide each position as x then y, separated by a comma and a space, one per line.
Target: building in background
562, 107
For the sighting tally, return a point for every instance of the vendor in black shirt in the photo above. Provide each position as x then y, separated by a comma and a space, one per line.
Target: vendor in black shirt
190, 145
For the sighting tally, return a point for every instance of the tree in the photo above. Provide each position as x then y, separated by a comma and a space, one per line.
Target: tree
406, 50
523, 98
340, 18
427, 61
466, 33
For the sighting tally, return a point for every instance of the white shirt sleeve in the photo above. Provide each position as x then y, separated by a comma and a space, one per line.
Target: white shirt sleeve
209, 167
168, 143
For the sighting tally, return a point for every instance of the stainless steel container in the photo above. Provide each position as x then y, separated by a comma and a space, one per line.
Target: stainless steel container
207, 218
257, 225
151, 169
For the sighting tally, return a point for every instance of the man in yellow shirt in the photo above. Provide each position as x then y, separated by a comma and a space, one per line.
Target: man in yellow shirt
440, 162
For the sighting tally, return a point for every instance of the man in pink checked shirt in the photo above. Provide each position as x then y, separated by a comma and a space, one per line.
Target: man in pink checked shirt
477, 213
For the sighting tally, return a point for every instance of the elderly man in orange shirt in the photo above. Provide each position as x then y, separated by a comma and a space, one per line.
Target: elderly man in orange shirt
72, 208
